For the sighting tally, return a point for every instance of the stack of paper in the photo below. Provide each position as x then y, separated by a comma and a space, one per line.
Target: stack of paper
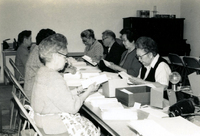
103, 101
95, 96
119, 114
111, 106
149, 128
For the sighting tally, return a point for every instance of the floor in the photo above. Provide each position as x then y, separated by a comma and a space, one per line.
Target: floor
5, 102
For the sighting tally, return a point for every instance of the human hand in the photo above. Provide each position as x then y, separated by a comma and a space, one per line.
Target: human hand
93, 87
136, 80
70, 69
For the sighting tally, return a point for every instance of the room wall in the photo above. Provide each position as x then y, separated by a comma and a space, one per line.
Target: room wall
190, 10
70, 17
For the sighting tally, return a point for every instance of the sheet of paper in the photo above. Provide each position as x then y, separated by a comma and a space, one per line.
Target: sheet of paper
179, 126
97, 79
119, 114
148, 127
103, 101
111, 106
88, 59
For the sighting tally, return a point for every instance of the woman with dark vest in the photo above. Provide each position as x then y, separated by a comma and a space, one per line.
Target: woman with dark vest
155, 69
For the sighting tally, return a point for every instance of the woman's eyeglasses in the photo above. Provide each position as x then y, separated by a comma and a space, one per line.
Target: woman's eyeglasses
140, 57
63, 54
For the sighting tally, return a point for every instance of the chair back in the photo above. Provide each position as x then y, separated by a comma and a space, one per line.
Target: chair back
21, 106
20, 77
191, 62
7, 71
175, 59
16, 84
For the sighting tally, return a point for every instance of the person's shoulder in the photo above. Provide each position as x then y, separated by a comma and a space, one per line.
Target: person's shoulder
97, 43
33, 47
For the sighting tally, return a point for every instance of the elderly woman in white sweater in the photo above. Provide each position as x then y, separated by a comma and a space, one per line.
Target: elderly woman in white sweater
53, 102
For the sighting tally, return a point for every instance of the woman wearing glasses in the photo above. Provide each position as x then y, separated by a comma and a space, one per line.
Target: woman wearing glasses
93, 49
55, 105
155, 69
129, 62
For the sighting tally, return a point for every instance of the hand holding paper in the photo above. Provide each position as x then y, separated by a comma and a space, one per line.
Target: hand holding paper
88, 59
98, 79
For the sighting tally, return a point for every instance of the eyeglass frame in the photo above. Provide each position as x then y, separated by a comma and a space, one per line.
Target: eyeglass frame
140, 57
63, 54
105, 38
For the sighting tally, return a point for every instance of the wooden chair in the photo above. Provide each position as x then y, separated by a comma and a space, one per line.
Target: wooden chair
192, 64
17, 72
177, 64
17, 88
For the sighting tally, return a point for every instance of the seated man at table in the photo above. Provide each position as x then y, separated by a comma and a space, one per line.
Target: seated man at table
155, 69
114, 50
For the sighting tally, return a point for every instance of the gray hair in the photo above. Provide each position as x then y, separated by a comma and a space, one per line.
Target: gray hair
50, 45
109, 33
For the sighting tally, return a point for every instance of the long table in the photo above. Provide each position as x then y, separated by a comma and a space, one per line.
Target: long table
113, 127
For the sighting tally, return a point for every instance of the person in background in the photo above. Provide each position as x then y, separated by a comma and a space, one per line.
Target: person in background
24, 42
114, 50
129, 62
53, 102
155, 69
93, 49
33, 61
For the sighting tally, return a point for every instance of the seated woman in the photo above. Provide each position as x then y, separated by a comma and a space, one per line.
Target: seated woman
54, 104
93, 49
24, 41
129, 62
155, 69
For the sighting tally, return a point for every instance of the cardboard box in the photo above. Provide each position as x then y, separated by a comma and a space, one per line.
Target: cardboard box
110, 86
129, 95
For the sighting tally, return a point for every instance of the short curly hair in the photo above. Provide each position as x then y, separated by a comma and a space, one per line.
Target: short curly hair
130, 33
147, 44
88, 33
50, 45
109, 33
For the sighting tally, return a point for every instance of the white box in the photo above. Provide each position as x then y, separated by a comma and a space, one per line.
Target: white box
110, 86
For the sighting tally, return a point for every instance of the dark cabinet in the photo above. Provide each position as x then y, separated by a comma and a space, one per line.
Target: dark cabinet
167, 32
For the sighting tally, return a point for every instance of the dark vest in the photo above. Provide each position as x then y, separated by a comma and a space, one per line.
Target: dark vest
151, 75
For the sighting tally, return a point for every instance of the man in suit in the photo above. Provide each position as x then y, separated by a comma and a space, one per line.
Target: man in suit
114, 52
